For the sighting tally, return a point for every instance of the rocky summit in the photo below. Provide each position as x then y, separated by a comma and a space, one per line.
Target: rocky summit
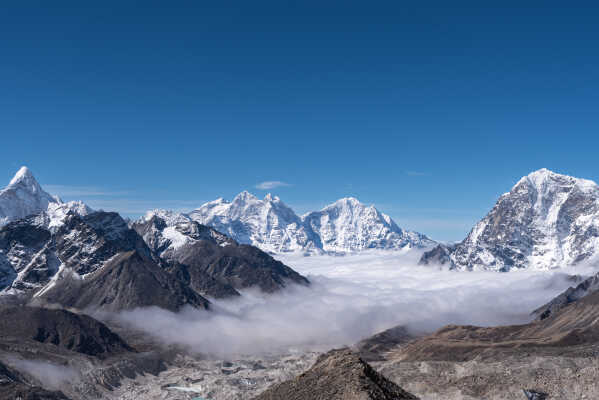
337, 375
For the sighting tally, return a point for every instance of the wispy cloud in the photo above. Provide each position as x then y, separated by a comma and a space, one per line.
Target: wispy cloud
271, 185
83, 191
124, 202
417, 173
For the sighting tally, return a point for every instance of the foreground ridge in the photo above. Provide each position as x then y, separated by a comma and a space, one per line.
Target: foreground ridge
338, 375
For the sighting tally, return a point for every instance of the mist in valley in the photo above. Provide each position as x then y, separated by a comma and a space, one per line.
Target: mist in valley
352, 297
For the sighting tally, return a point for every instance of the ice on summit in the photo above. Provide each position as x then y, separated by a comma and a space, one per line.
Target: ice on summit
344, 226
547, 220
25, 197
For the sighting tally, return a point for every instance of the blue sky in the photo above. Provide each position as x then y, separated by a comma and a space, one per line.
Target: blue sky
430, 110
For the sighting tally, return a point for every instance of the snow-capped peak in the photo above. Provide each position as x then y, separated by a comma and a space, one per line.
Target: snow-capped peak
24, 197
344, 226
25, 176
244, 196
270, 198
547, 220
544, 179
348, 225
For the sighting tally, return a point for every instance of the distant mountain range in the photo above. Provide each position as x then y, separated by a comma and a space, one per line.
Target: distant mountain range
546, 221
342, 227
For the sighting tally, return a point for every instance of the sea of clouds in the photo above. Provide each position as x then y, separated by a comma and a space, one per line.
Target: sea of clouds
350, 298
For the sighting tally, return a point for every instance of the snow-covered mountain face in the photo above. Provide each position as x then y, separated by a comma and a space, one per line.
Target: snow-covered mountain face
344, 226
348, 225
268, 224
546, 221
165, 232
24, 197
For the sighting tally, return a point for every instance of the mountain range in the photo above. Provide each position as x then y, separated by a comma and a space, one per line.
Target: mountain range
70, 255
547, 220
345, 226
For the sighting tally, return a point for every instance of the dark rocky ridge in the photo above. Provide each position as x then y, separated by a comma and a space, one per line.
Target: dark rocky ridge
127, 281
374, 347
337, 375
210, 262
569, 296
78, 333
239, 266
122, 272
571, 331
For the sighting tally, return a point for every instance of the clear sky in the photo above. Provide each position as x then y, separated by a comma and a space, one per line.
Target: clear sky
429, 110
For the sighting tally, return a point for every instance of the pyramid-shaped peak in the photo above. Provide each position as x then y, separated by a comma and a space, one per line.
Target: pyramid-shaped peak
23, 175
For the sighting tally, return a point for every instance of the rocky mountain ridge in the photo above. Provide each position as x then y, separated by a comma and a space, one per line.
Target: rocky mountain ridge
545, 221
70, 255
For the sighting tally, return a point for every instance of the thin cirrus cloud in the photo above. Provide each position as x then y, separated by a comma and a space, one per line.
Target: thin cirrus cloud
267, 185
123, 202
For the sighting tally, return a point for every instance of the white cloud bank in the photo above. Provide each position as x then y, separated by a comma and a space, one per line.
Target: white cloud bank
351, 298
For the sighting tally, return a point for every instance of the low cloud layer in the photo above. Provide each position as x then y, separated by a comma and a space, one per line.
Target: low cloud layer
51, 376
351, 298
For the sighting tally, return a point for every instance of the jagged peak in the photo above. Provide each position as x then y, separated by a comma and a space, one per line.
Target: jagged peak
270, 198
168, 216
245, 196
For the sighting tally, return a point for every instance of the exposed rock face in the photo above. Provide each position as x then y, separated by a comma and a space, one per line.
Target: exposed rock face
546, 221
126, 281
555, 356
439, 255
534, 395
344, 226
120, 271
69, 255
210, 262
337, 375
61, 328
561, 333
586, 287
374, 347
27, 256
